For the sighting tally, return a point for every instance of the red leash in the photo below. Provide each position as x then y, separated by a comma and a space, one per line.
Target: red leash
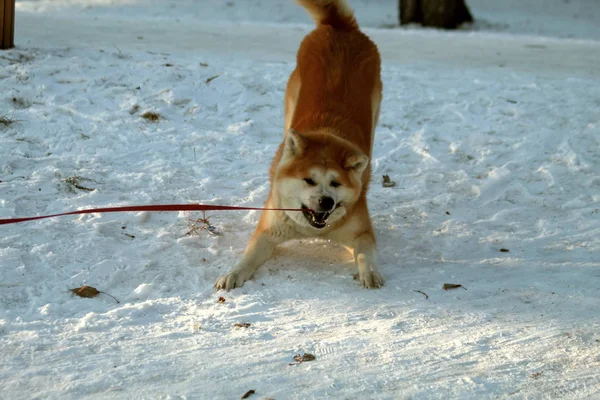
159, 207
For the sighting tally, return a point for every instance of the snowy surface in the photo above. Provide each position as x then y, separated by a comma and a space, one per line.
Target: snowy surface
492, 138
559, 18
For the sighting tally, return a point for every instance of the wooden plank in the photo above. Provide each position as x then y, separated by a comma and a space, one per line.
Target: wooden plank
2, 23
7, 24
447, 14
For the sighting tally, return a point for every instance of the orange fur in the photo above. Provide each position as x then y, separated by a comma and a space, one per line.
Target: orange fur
331, 109
336, 85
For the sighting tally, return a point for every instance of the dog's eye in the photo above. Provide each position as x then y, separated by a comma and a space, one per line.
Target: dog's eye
310, 181
335, 184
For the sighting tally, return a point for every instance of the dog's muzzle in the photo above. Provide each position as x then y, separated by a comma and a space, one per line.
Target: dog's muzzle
318, 219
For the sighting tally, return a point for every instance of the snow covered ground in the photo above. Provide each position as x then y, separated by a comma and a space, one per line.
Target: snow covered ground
492, 135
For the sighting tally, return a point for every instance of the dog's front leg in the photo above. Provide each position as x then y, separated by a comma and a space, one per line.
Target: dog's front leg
365, 255
260, 249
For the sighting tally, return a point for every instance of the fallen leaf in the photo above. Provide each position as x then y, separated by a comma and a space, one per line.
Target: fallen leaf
304, 357
248, 393
151, 116
86, 291
387, 182
242, 325
221, 300
504, 250
89, 292
451, 286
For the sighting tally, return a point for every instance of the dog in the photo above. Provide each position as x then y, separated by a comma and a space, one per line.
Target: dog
323, 164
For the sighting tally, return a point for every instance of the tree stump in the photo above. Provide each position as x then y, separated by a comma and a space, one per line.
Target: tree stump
7, 24
447, 14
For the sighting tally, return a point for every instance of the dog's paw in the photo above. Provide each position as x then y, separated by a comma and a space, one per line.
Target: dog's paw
370, 279
230, 281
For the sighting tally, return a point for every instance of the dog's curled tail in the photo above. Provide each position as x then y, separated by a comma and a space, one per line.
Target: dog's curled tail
335, 13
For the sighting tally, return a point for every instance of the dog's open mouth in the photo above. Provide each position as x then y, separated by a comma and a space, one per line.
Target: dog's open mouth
315, 219
318, 219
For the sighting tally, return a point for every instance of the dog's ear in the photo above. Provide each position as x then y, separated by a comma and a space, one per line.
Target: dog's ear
295, 143
356, 163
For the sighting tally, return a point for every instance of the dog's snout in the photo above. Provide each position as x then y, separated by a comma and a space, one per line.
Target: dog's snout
326, 203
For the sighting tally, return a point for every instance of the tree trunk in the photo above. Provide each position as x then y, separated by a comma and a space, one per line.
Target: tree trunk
447, 14
7, 24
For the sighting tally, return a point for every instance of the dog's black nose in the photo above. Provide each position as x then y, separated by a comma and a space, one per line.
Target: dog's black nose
326, 203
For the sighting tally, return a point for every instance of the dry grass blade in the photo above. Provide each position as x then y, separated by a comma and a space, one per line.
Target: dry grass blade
242, 325
75, 182
423, 293
201, 224
6, 121
212, 78
12, 179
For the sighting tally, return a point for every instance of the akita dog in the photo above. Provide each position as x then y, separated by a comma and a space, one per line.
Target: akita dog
323, 164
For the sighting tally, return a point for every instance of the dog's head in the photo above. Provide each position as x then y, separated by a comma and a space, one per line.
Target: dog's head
319, 173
